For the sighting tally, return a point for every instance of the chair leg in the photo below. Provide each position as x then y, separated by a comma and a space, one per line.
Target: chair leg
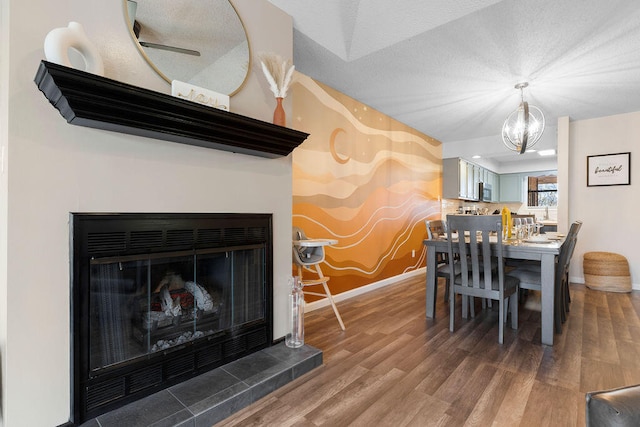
567, 294
501, 320
468, 306
506, 310
329, 296
452, 309
446, 290
558, 308
333, 304
514, 310
563, 302
464, 300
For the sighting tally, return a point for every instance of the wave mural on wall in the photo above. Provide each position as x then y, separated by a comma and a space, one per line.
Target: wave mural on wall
365, 180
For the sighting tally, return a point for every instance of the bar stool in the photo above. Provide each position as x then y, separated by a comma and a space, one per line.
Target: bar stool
308, 254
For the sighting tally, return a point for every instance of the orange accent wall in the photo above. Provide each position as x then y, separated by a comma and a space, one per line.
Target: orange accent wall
364, 179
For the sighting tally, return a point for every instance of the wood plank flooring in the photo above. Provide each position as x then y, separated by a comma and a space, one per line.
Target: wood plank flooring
394, 367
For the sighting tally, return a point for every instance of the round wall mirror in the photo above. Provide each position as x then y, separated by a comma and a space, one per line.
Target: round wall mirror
201, 42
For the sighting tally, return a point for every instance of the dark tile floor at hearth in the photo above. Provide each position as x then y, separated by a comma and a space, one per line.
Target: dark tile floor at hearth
213, 396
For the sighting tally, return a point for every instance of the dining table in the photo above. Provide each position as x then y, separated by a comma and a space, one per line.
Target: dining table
543, 250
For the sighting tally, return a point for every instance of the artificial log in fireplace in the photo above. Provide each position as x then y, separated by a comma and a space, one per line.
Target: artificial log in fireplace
160, 298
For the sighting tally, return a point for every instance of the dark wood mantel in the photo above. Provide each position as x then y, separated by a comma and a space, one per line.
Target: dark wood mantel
89, 100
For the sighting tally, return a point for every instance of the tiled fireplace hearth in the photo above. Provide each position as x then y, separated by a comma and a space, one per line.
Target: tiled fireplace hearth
172, 318
211, 397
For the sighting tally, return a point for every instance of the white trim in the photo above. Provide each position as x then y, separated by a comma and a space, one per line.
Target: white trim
580, 280
576, 279
315, 305
364, 289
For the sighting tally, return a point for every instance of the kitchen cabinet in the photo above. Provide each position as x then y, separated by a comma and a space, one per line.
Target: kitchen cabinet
454, 178
457, 179
493, 179
460, 179
472, 178
460, 170
511, 187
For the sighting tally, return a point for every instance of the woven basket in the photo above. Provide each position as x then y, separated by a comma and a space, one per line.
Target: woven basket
606, 271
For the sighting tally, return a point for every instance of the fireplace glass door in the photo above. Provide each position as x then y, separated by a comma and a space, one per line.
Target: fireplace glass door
142, 305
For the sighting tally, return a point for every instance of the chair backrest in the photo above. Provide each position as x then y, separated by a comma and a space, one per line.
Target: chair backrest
305, 255
298, 234
476, 258
435, 228
566, 252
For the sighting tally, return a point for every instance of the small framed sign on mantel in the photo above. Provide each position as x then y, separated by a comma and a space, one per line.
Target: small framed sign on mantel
609, 169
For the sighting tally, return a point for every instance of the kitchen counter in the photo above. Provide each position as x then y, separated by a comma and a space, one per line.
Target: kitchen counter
549, 225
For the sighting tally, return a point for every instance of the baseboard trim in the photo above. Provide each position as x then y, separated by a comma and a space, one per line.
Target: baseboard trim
315, 305
580, 280
364, 289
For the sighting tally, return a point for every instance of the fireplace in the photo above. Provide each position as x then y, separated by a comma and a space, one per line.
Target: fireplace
160, 298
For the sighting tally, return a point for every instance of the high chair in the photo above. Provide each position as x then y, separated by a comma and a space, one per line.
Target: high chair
308, 254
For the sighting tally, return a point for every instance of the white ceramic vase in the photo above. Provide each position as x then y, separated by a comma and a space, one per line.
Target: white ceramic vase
60, 40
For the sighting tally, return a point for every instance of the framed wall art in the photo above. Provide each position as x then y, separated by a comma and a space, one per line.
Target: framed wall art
609, 169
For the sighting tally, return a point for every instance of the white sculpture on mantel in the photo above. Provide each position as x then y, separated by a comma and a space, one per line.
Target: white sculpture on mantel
59, 40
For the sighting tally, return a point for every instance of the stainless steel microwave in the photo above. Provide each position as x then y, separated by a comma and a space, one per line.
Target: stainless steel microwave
484, 192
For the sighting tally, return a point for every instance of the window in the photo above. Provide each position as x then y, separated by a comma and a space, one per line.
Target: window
542, 190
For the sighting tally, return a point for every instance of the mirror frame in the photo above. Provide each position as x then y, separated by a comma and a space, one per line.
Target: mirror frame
155, 68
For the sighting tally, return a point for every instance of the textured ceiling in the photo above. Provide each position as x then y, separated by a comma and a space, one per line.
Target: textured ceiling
448, 68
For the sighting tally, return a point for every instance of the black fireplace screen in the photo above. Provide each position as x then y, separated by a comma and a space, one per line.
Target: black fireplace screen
160, 298
144, 305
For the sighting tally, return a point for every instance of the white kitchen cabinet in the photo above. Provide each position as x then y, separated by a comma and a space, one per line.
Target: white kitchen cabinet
460, 179
456, 178
472, 192
461, 173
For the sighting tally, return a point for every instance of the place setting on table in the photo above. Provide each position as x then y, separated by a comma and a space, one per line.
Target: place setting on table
521, 232
526, 230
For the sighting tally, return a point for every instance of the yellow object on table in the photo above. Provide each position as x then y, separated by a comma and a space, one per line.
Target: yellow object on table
507, 223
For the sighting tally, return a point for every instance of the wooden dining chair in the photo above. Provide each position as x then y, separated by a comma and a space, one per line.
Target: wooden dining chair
530, 277
564, 291
435, 229
477, 276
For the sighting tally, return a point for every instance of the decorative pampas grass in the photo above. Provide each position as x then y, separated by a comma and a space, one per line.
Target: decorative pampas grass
279, 73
